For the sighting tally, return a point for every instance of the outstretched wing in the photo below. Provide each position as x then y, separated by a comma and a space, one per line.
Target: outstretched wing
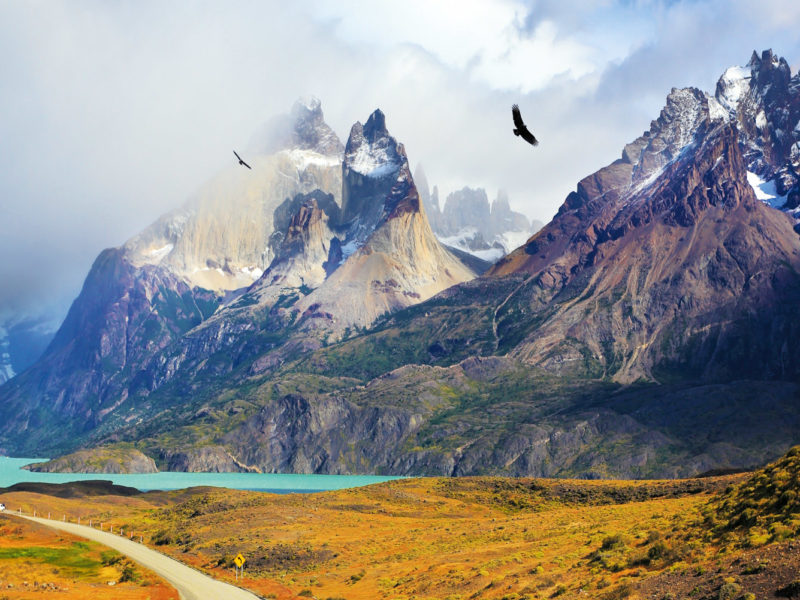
528, 136
521, 129
515, 114
241, 162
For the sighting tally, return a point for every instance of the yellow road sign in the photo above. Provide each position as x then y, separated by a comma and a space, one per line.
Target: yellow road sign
239, 560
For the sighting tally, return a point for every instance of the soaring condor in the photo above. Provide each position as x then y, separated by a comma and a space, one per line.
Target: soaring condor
520, 128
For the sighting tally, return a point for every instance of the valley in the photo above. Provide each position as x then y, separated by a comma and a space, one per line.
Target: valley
478, 537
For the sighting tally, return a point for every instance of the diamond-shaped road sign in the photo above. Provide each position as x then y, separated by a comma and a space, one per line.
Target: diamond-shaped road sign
239, 560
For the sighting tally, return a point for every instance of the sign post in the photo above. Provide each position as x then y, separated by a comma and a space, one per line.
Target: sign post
239, 562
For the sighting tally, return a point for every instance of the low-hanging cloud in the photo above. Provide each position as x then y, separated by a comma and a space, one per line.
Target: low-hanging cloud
113, 113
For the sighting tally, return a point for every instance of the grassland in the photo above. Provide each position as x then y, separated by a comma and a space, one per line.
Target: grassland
718, 538
36, 561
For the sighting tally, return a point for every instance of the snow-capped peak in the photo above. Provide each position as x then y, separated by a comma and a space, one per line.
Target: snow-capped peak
371, 151
732, 87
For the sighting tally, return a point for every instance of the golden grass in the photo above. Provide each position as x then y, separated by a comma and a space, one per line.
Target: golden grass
36, 560
445, 539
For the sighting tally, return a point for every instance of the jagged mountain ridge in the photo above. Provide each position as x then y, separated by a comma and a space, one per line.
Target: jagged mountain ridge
614, 343
663, 266
133, 326
672, 240
764, 100
470, 224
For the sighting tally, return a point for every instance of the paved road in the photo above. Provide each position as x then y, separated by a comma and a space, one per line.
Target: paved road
191, 584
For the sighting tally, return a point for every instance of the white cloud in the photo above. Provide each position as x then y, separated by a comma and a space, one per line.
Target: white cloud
489, 40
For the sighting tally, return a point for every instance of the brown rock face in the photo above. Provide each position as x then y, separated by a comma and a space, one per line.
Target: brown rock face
393, 259
660, 265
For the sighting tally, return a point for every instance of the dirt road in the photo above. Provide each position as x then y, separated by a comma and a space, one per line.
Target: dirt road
191, 584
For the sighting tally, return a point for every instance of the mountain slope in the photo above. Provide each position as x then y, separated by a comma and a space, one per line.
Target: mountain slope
662, 264
648, 330
141, 323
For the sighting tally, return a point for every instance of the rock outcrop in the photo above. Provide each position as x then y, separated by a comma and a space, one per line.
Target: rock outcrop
99, 460
390, 257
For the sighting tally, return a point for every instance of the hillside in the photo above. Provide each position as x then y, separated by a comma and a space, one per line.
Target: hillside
482, 537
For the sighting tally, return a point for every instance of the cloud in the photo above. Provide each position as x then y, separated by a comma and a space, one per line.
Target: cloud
114, 113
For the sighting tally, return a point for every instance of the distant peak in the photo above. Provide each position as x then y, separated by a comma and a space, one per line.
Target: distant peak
304, 128
305, 105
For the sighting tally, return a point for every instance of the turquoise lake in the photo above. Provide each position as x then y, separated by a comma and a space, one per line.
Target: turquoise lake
11, 472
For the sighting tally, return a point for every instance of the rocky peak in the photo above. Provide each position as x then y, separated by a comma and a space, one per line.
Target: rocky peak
304, 128
371, 151
503, 219
310, 131
464, 208
303, 248
769, 68
686, 110
375, 127
430, 200
373, 161
764, 100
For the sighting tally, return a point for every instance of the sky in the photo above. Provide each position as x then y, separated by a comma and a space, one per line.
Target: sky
113, 113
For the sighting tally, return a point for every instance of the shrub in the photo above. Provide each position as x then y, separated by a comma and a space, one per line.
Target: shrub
129, 573
657, 551
729, 591
613, 542
620, 592
110, 558
162, 538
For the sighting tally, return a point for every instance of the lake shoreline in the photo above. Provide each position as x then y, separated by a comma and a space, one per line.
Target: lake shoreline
11, 472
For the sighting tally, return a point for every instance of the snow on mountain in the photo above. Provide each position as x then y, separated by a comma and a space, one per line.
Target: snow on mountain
469, 223
370, 151
465, 240
765, 191
732, 87
763, 99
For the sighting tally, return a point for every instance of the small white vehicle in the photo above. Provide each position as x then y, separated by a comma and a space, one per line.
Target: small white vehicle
2, 507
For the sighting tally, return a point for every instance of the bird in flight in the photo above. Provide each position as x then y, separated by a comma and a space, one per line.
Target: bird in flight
520, 128
241, 162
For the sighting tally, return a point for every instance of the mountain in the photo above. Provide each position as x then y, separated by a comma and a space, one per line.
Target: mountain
764, 101
220, 239
647, 331
469, 224
391, 258
272, 247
